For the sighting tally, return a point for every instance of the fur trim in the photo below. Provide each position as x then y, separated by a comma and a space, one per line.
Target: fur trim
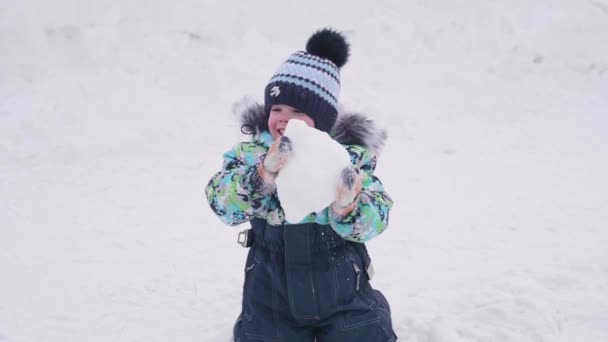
357, 129
252, 116
349, 129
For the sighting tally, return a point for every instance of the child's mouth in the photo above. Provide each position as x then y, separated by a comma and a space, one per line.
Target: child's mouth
281, 131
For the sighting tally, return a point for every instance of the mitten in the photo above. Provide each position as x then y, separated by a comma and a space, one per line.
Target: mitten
347, 191
275, 159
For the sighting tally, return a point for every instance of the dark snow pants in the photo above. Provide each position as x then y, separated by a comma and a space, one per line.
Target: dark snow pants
304, 283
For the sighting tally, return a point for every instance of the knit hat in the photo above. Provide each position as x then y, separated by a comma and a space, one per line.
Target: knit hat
310, 80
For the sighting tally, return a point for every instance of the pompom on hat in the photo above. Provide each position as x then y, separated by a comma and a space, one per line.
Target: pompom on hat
310, 80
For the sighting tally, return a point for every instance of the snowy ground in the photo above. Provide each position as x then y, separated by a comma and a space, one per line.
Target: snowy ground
114, 115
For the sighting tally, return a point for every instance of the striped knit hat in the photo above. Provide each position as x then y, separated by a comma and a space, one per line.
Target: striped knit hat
310, 80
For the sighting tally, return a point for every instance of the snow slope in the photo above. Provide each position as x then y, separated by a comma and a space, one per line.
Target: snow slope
114, 115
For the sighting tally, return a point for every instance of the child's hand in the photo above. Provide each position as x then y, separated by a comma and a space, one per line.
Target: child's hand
347, 192
276, 158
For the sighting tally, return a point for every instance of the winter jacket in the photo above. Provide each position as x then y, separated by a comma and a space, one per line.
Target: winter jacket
237, 193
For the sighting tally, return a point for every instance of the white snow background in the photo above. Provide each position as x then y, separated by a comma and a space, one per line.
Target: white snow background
115, 114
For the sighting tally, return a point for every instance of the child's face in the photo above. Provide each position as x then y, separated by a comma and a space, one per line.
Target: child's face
281, 114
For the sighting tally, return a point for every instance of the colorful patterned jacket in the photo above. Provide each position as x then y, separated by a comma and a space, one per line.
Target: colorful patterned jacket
237, 194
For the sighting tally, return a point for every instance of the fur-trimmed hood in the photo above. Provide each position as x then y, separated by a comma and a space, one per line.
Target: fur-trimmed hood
350, 128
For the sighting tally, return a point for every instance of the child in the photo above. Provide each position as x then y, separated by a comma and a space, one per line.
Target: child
306, 281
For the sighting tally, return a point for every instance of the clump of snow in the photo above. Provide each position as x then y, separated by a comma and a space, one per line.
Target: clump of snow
307, 183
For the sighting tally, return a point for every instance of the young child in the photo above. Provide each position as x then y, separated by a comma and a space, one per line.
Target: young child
306, 281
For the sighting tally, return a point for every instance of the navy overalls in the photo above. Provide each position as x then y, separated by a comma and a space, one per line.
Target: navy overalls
304, 282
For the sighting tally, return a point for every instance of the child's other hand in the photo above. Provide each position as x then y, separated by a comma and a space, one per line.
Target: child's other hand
276, 158
347, 191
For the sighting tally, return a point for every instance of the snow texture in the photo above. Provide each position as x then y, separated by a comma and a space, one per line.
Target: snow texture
307, 183
114, 116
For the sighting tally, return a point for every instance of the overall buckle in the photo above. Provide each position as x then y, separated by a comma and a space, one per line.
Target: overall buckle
243, 238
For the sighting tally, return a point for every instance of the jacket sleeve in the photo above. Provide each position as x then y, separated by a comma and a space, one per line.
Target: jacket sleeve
370, 216
237, 194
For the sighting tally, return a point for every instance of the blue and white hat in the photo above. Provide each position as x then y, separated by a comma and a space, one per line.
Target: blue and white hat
310, 80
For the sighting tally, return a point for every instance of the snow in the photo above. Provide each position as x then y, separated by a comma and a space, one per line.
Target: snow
115, 114
302, 186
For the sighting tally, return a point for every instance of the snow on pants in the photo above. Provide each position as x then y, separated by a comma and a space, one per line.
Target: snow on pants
304, 283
